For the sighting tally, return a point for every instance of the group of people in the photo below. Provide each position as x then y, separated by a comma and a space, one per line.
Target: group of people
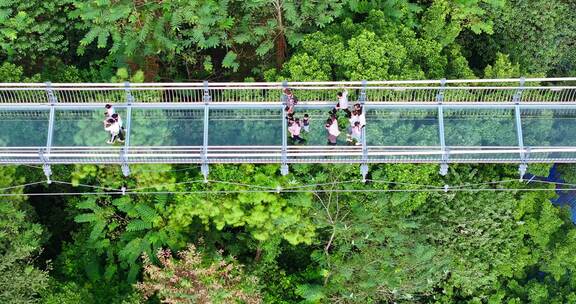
113, 125
356, 117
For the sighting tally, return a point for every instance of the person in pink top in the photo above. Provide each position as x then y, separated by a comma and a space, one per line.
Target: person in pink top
333, 131
294, 130
355, 134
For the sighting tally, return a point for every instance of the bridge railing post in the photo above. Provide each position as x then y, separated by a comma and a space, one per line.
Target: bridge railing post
284, 153
45, 155
364, 164
128, 120
443, 148
206, 99
517, 98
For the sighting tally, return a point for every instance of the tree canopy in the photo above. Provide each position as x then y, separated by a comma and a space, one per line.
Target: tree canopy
238, 238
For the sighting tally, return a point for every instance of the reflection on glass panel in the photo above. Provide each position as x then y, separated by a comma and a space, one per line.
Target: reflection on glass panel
549, 127
24, 128
84, 128
480, 127
402, 127
245, 127
174, 127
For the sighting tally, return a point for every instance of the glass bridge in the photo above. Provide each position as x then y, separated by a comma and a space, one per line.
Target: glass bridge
428, 121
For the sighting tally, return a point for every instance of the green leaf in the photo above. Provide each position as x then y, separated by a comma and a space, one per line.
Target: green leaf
229, 61
138, 225
89, 203
264, 48
97, 230
85, 218
146, 213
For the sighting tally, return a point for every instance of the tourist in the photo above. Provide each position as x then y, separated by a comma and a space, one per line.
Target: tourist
306, 123
343, 101
112, 126
291, 100
109, 110
290, 118
118, 120
362, 117
333, 131
356, 133
294, 130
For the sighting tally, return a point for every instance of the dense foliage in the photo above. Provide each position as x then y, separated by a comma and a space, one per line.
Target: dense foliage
325, 243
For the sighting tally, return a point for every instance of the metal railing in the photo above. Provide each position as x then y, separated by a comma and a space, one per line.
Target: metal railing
420, 91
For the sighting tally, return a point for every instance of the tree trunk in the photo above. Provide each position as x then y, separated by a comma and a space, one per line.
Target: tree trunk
280, 39
280, 50
258, 255
151, 68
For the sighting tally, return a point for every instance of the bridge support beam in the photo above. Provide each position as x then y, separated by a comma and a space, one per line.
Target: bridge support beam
128, 121
441, 133
45, 155
284, 153
206, 98
364, 164
517, 98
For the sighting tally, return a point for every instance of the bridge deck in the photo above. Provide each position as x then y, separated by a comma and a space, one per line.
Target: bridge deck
480, 121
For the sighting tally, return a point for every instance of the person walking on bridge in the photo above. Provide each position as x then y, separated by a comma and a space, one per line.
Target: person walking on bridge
291, 100
333, 131
122, 133
109, 110
112, 126
342, 102
294, 130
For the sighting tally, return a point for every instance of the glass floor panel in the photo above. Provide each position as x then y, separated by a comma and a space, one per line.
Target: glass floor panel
480, 127
24, 128
239, 127
174, 127
549, 127
402, 127
81, 128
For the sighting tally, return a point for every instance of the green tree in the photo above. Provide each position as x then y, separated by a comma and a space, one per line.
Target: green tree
147, 32
502, 68
374, 49
33, 29
274, 25
538, 35
20, 243
369, 248
262, 214
13, 73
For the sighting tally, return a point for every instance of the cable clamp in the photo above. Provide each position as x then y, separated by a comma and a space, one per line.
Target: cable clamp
45, 165
124, 162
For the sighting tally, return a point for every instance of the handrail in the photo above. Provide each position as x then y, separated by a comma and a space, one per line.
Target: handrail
200, 84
